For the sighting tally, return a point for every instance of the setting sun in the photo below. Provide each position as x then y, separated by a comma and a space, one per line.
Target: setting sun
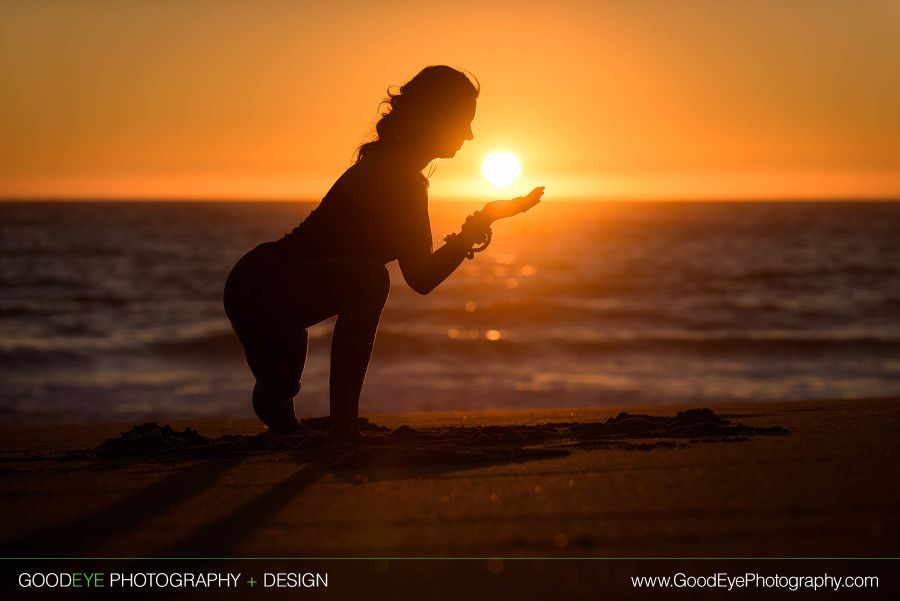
501, 168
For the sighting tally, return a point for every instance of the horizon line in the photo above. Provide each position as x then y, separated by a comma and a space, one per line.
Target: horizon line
674, 199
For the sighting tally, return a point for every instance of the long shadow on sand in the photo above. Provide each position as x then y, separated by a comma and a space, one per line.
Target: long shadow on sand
85, 533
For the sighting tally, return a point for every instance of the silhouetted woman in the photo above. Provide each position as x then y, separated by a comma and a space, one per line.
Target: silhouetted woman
334, 262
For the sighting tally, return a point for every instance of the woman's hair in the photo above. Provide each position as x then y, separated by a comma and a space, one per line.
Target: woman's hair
434, 89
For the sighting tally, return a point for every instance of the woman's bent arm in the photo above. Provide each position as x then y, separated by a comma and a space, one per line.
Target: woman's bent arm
424, 272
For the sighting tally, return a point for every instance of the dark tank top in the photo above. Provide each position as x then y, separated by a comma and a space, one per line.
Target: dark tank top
378, 209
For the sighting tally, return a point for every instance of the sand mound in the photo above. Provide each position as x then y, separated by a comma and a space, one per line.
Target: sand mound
406, 446
151, 439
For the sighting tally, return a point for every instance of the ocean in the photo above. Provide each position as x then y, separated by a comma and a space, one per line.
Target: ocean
111, 311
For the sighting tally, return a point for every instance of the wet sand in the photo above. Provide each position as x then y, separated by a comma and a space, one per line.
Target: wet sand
766, 479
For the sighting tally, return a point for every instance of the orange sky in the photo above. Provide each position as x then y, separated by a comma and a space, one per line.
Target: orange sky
606, 100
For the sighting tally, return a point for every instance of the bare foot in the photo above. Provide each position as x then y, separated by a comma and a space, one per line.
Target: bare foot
277, 414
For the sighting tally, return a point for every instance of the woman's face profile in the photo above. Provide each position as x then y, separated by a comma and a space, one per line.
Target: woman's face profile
452, 129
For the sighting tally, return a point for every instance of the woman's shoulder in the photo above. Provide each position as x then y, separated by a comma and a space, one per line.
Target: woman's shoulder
381, 175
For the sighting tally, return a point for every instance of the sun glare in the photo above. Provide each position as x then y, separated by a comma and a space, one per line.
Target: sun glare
501, 168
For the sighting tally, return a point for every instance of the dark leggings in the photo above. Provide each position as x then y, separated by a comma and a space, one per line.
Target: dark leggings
272, 300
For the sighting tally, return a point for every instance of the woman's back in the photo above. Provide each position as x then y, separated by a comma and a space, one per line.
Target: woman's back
378, 209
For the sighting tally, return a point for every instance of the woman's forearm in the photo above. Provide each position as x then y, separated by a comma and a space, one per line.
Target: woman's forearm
436, 268
425, 274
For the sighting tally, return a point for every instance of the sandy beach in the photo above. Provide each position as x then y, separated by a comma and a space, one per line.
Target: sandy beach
773, 479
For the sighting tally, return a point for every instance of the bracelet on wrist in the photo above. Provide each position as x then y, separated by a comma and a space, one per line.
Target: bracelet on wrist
476, 228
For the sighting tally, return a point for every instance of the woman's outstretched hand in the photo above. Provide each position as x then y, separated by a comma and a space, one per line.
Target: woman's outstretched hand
500, 209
